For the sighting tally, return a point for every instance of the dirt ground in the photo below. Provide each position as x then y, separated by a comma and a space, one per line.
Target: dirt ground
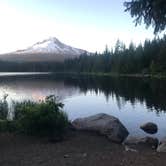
78, 149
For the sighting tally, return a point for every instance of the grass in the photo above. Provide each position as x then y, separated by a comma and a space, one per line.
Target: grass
43, 118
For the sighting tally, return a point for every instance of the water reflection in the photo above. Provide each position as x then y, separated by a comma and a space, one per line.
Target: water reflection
34, 87
152, 92
133, 100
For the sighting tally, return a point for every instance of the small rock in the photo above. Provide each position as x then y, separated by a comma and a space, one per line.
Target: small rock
149, 127
149, 141
162, 146
128, 149
84, 155
66, 156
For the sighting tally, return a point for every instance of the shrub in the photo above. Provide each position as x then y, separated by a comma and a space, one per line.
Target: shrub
4, 107
7, 126
44, 118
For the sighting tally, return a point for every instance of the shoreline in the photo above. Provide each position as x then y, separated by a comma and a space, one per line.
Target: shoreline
151, 76
79, 148
126, 75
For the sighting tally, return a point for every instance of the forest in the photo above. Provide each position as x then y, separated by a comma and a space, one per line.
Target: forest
146, 58
149, 58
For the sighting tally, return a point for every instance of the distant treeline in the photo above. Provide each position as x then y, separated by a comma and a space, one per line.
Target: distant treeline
149, 58
7, 66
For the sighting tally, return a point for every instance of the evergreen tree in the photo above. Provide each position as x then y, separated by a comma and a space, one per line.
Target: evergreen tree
152, 12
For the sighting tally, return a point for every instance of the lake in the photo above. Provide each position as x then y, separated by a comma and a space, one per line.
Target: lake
133, 100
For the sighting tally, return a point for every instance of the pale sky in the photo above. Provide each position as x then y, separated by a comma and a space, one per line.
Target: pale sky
86, 24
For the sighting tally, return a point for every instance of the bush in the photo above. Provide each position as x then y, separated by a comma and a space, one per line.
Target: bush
44, 118
4, 107
7, 126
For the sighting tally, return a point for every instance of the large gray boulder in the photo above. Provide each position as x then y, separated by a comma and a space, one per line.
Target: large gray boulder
149, 127
162, 146
103, 124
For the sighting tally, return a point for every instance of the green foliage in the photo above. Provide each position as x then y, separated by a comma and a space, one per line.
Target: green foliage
7, 126
3, 107
149, 58
44, 118
152, 12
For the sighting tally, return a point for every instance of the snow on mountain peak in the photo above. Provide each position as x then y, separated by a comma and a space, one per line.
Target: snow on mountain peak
52, 46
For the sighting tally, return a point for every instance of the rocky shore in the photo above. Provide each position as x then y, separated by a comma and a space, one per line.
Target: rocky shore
115, 131
82, 147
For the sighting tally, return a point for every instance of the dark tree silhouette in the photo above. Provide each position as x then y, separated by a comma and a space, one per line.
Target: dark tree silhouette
151, 12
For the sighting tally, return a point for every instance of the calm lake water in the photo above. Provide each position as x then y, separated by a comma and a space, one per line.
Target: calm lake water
133, 100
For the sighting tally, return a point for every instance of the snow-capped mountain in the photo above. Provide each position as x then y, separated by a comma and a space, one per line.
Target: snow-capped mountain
52, 45
50, 49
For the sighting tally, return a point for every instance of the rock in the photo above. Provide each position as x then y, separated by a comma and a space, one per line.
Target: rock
162, 146
66, 156
149, 127
148, 141
84, 155
128, 149
103, 124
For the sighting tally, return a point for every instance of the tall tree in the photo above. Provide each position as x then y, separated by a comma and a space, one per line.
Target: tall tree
152, 12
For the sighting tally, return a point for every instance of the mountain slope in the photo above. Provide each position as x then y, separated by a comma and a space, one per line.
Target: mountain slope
52, 45
50, 49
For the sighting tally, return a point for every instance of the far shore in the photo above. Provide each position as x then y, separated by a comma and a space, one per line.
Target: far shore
137, 75
159, 76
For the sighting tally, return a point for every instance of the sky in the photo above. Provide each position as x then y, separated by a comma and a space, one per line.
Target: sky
85, 24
